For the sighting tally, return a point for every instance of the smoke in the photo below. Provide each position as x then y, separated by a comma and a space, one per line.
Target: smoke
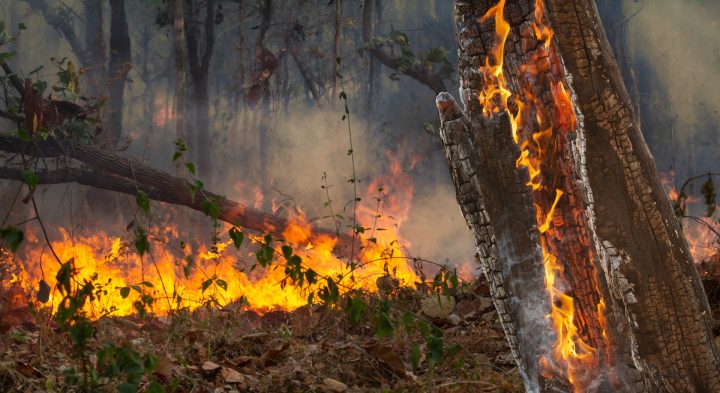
677, 51
307, 143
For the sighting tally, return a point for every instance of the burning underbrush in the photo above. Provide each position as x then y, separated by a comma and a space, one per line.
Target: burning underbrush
145, 308
449, 345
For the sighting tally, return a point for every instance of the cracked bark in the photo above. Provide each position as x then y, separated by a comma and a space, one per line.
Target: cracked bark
620, 239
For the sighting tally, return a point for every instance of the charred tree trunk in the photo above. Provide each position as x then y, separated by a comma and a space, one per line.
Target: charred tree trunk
562, 195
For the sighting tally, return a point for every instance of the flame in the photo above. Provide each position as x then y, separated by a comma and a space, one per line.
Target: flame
536, 129
164, 111
174, 274
494, 87
703, 242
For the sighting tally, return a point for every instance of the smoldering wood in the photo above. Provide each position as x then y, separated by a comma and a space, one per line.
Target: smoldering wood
112, 172
658, 319
656, 290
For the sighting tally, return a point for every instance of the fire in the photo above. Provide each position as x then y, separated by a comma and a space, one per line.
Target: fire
538, 129
494, 87
699, 232
176, 274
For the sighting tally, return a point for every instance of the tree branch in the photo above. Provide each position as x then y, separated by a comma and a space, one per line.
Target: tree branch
120, 174
417, 72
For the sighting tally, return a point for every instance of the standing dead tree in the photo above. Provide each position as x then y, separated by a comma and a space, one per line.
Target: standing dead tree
570, 220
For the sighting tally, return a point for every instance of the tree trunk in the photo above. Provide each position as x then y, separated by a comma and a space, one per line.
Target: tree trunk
240, 73
94, 56
266, 13
558, 187
181, 126
119, 67
336, 47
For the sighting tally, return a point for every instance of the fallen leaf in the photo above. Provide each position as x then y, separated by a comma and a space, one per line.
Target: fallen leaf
334, 385
270, 355
231, 376
210, 366
388, 356
165, 368
241, 361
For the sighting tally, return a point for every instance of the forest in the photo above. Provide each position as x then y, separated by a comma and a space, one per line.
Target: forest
359, 196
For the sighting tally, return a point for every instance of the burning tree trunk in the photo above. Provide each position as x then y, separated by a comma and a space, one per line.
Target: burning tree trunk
593, 282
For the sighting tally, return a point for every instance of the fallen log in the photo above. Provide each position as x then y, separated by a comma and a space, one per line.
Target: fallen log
115, 173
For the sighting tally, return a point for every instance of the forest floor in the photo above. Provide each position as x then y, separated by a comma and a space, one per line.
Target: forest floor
311, 349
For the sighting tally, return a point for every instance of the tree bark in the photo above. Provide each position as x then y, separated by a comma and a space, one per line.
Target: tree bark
95, 57
336, 46
178, 34
120, 58
638, 302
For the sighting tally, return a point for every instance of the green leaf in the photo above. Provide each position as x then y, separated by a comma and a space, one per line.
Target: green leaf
128, 387
383, 326
435, 347
190, 167
155, 387
30, 177
287, 252
310, 276
415, 356
125, 292
356, 308
408, 321
221, 283
141, 241
206, 284
437, 55
64, 276
43, 294
209, 208
21, 26
237, 237
24, 135
143, 201
423, 327
80, 332
12, 237
5, 56
710, 196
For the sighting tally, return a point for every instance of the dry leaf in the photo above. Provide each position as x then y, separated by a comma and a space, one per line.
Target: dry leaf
231, 376
210, 366
334, 385
165, 368
388, 356
270, 355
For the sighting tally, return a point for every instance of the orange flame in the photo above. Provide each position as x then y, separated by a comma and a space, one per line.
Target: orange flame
570, 349
177, 276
